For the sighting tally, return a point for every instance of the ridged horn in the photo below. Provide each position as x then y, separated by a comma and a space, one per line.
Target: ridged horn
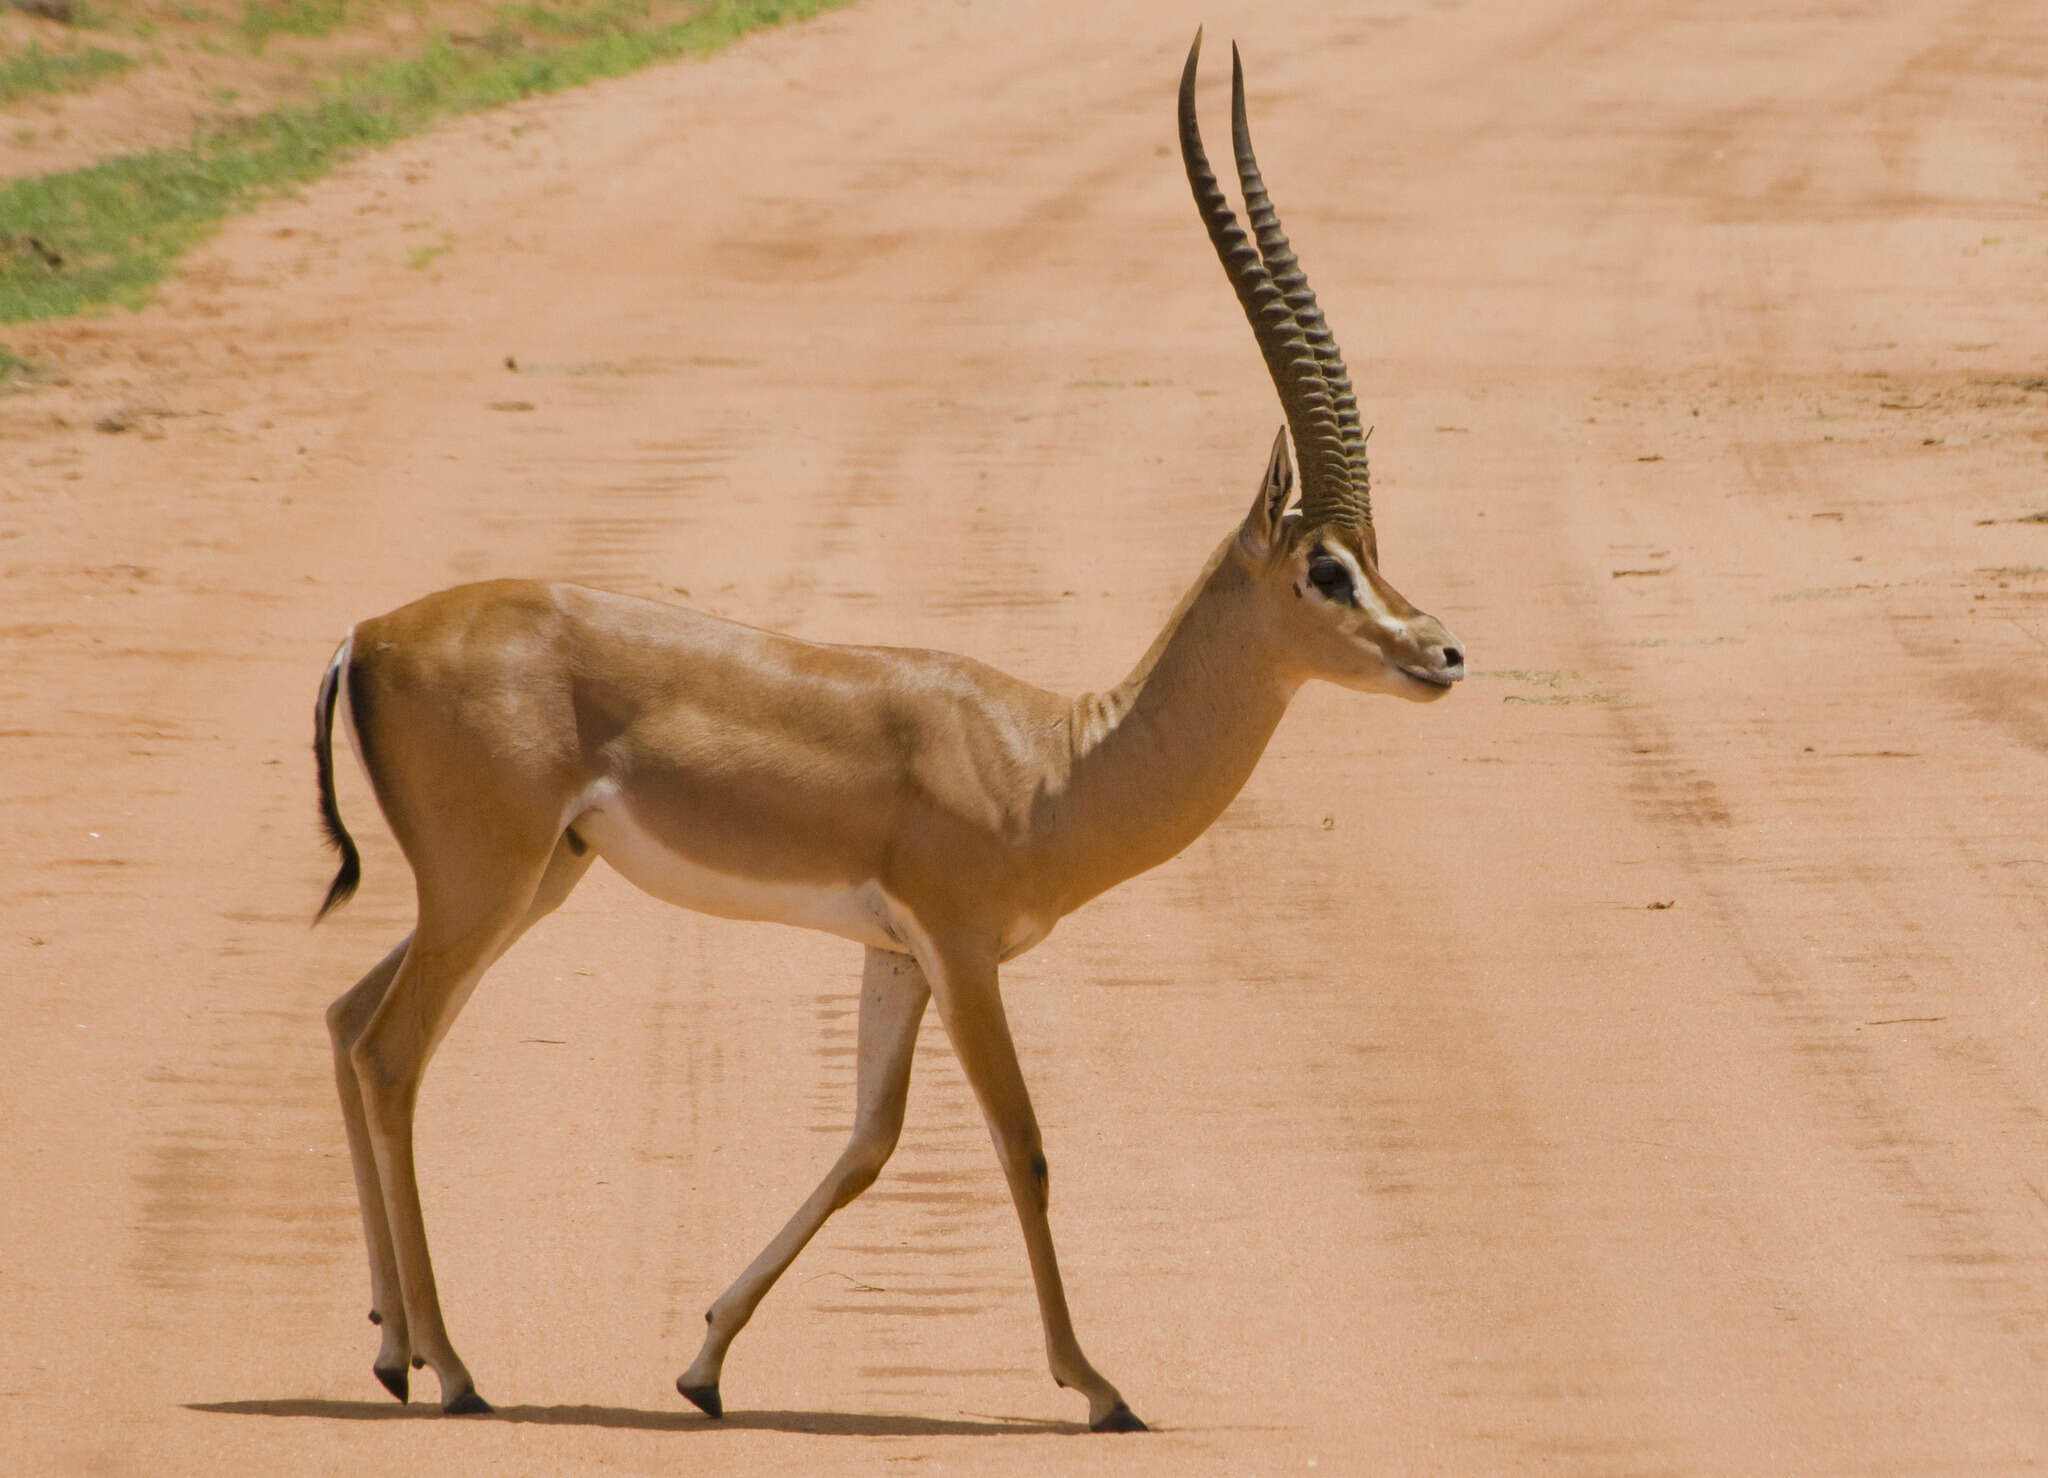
1290, 359
1288, 276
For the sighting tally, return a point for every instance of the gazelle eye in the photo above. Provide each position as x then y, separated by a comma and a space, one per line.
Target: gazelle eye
1332, 579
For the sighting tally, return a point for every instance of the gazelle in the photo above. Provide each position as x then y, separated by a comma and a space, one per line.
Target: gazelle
939, 813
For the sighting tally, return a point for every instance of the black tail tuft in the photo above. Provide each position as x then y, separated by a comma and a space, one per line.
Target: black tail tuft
344, 886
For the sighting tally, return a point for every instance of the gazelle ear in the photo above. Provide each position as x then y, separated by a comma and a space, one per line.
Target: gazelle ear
1261, 532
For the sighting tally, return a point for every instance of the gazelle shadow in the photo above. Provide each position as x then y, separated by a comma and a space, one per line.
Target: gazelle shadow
821, 1423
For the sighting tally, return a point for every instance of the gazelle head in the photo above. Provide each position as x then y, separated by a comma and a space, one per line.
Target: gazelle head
1318, 561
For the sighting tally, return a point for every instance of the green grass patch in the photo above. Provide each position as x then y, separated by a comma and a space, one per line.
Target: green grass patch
262, 19
108, 233
35, 70
605, 17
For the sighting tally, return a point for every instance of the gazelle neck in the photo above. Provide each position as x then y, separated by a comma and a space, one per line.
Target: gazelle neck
1158, 757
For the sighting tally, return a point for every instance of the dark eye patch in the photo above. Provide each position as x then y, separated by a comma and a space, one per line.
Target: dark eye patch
1330, 578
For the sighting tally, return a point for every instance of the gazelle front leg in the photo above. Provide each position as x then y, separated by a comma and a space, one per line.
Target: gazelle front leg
893, 994
963, 978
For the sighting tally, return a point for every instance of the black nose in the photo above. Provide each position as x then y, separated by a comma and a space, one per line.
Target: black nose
1453, 657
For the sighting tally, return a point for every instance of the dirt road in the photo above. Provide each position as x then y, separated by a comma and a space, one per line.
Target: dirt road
1635, 1063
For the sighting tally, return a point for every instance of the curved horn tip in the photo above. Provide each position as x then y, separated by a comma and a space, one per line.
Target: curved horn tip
1239, 129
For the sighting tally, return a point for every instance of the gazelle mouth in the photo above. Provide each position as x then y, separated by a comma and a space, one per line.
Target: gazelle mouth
1435, 680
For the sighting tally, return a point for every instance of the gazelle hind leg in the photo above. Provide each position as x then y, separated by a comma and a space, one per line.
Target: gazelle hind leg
963, 977
892, 1000
346, 1019
384, 1031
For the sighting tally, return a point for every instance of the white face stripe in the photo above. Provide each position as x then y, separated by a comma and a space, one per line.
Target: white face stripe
1363, 594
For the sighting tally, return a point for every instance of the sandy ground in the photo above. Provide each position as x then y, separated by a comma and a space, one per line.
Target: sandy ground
1633, 1064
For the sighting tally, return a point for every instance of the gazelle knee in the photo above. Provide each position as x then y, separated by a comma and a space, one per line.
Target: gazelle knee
382, 1076
348, 1014
860, 1167
853, 1179
340, 1023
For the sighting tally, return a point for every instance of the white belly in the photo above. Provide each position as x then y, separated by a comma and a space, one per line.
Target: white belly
856, 911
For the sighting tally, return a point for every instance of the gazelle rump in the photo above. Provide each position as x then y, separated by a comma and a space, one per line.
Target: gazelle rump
924, 805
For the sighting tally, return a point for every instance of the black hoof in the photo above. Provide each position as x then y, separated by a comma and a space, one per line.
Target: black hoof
397, 1382
704, 1398
469, 1403
375, 1317
1121, 1419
